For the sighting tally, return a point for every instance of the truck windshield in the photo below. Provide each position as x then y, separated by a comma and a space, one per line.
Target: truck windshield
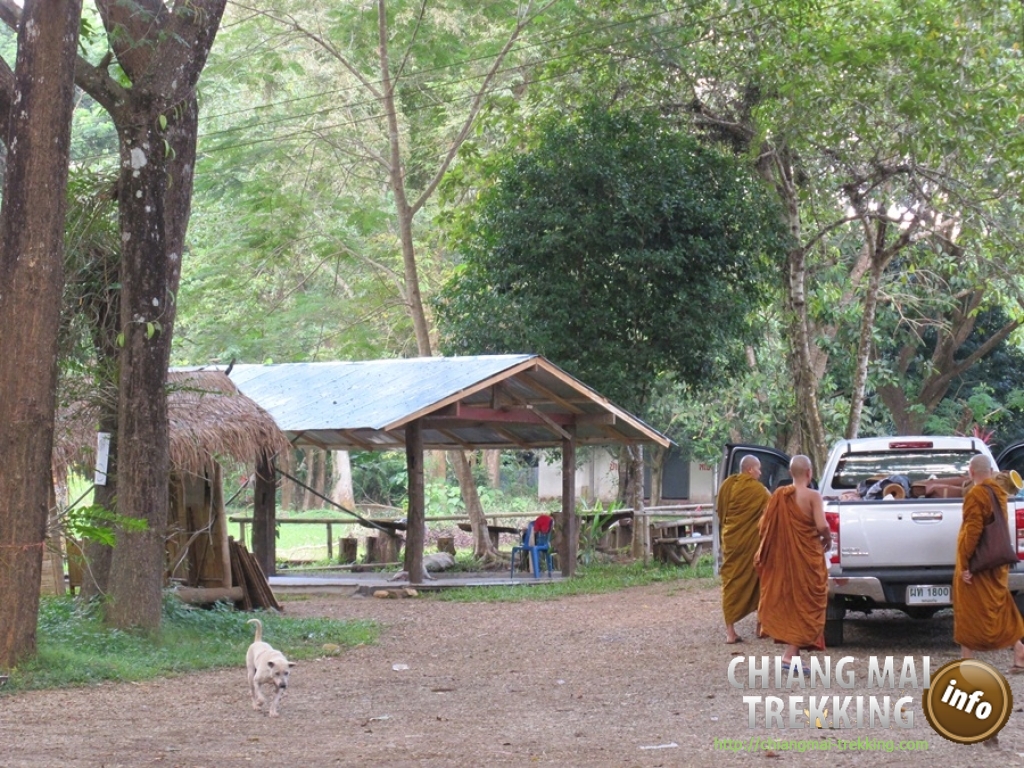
916, 465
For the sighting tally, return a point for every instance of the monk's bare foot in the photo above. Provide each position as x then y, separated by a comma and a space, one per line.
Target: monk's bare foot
1018, 655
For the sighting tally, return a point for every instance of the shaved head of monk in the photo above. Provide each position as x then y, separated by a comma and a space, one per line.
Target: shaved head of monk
800, 466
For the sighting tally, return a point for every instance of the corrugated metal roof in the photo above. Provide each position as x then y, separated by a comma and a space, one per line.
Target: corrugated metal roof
485, 401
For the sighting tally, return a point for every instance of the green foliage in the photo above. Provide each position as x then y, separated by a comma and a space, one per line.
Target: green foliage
592, 531
75, 648
379, 477
97, 523
619, 248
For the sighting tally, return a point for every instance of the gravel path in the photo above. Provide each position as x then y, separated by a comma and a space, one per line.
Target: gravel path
634, 678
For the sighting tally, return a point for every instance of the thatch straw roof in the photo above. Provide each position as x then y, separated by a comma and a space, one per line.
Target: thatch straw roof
209, 419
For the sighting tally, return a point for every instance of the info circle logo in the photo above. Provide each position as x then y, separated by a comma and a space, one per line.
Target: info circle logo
969, 701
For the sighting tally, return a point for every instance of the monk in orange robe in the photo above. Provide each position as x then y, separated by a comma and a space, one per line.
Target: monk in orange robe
985, 618
791, 564
740, 503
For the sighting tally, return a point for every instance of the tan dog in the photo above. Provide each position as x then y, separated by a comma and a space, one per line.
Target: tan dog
266, 665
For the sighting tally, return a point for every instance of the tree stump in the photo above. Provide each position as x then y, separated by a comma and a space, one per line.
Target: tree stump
388, 547
372, 553
446, 544
348, 550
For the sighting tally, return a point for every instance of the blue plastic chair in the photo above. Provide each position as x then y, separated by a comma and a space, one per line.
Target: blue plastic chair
540, 545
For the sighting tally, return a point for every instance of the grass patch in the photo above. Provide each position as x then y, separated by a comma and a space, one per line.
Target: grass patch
75, 649
592, 579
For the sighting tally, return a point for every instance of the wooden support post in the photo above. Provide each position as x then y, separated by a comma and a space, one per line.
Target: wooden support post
417, 502
264, 519
570, 540
330, 541
371, 549
348, 550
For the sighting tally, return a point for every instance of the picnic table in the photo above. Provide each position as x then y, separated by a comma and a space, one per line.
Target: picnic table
493, 531
684, 539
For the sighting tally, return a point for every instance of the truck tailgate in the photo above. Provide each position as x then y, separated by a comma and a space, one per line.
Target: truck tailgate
907, 533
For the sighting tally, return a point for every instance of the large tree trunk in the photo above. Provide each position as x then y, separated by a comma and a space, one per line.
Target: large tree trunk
37, 135
482, 547
341, 492
153, 216
161, 51
805, 366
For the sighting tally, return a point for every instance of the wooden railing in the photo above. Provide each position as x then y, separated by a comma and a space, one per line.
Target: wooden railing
330, 522
678, 518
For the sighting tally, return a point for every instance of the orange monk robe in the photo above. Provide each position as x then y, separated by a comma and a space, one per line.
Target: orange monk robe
794, 578
740, 503
985, 618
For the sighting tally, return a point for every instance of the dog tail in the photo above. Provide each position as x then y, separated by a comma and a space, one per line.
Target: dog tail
259, 629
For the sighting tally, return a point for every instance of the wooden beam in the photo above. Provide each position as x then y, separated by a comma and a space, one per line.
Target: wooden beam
304, 438
414, 534
512, 438
597, 418
525, 414
537, 386
457, 440
570, 541
364, 445
651, 435
264, 517
478, 387
548, 418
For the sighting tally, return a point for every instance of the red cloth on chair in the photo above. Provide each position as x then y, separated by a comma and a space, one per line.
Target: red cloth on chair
543, 524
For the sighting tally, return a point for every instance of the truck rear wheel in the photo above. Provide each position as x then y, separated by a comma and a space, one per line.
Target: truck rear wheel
835, 612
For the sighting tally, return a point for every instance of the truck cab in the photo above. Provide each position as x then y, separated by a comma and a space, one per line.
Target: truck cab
895, 549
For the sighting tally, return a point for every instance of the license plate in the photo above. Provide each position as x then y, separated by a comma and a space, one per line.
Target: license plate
929, 594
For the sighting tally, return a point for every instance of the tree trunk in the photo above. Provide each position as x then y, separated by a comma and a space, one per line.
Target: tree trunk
492, 460
161, 51
37, 135
636, 493
288, 487
482, 546
658, 455
342, 493
867, 326
153, 217
314, 478
414, 533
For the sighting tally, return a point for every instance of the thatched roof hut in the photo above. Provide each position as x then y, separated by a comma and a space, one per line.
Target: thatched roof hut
208, 418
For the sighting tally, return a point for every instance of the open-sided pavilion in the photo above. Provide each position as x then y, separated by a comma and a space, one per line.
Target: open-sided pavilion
433, 403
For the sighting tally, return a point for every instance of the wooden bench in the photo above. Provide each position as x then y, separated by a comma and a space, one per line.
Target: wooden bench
683, 540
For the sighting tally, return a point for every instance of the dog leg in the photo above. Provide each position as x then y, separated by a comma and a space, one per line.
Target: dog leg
276, 700
257, 695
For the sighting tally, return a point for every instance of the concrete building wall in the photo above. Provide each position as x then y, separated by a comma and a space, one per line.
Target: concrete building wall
597, 479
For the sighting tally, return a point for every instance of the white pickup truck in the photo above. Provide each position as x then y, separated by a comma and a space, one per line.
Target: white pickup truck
897, 550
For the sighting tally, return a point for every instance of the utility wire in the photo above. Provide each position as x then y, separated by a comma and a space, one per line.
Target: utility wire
666, 29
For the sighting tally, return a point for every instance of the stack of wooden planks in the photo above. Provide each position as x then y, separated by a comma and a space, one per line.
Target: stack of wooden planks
247, 574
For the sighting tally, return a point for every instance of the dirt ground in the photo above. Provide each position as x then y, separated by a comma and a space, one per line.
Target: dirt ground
634, 678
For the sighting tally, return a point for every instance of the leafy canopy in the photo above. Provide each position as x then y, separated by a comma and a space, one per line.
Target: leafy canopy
618, 247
